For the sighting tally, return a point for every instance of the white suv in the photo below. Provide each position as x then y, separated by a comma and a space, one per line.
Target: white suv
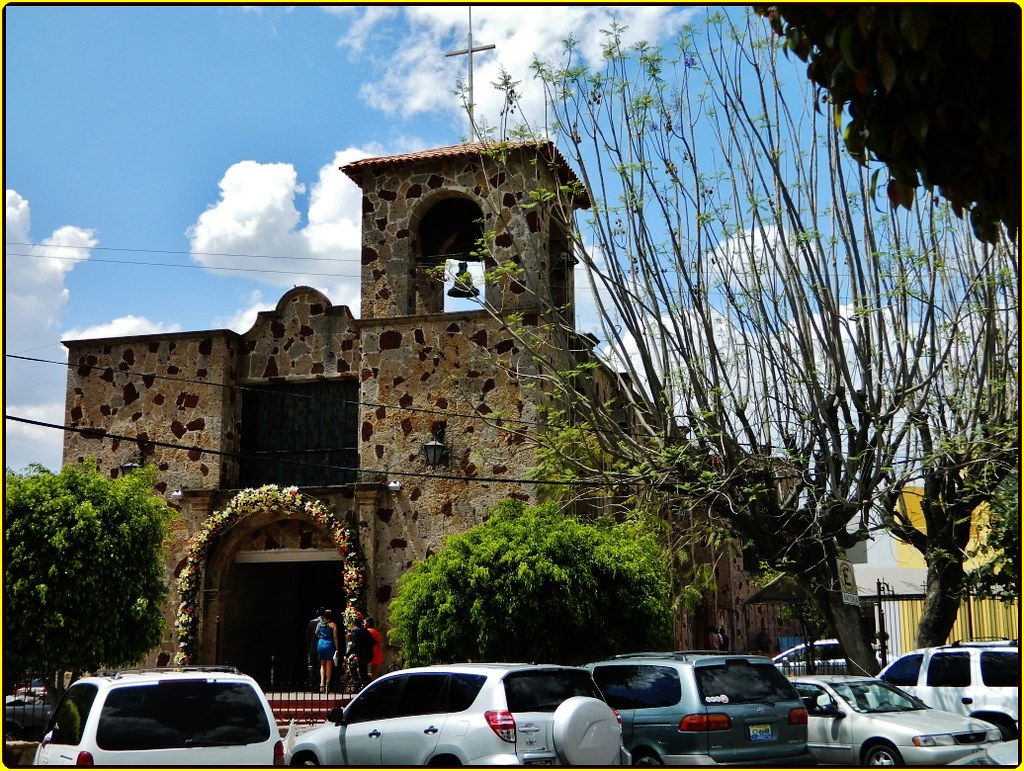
979, 679
190, 716
470, 714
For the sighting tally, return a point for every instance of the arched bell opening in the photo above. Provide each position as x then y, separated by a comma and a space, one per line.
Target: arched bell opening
561, 261
448, 270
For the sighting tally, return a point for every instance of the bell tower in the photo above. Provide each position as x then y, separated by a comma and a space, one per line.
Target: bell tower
484, 222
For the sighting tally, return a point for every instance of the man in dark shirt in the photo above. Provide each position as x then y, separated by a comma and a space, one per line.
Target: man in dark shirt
361, 644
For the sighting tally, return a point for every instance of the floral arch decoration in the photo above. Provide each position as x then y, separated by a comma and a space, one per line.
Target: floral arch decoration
290, 502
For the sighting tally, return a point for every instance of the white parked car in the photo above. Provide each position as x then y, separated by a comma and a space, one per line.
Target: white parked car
470, 714
190, 716
980, 679
822, 657
863, 721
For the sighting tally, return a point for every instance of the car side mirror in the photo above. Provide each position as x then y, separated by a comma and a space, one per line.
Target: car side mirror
336, 715
828, 707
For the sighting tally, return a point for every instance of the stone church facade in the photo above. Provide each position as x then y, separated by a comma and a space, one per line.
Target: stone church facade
341, 407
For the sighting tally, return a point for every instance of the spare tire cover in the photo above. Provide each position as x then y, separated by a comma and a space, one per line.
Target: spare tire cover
587, 732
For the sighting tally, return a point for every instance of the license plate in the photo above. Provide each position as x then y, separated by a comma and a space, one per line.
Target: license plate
762, 732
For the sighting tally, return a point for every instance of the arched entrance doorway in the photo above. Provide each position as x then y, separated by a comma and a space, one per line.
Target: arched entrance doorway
253, 576
268, 598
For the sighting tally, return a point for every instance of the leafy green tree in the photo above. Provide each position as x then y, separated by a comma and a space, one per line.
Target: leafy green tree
792, 356
532, 584
83, 570
998, 546
932, 90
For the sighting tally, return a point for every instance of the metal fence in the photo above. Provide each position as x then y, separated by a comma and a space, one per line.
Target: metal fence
898, 616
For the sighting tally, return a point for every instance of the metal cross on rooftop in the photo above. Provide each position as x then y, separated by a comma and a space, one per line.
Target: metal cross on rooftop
470, 50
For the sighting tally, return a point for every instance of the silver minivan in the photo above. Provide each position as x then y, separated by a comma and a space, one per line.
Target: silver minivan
703, 708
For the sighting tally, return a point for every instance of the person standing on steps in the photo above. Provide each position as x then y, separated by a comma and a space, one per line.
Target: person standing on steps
326, 648
361, 643
312, 658
378, 650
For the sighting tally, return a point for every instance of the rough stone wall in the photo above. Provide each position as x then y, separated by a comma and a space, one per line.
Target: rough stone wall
165, 389
460, 369
303, 338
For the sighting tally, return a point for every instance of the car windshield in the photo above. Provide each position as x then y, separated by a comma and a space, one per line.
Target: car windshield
875, 696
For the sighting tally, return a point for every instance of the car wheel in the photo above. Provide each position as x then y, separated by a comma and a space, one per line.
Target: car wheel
587, 732
882, 755
305, 759
647, 760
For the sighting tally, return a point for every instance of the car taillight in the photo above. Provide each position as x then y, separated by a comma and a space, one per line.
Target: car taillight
711, 721
279, 754
798, 716
84, 759
617, 716
502, 723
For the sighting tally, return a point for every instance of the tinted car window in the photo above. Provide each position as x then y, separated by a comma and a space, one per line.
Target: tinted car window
741, 682
905, 671
183, 713
1000, 669
376, 701
69, 719
544, 691
639, 687
462, 691
952, 670
423, 695
810, 695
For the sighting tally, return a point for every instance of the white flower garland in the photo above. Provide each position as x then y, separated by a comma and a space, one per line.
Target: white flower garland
290, 502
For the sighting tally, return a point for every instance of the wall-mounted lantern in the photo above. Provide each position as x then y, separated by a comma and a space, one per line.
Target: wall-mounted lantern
435, 452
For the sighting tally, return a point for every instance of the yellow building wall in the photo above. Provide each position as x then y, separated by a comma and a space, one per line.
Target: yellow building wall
978, 618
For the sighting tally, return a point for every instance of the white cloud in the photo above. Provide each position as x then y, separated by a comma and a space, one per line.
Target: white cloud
361, 33
257, 225
122, 326
25, 443
417, 77
34, 301
35, 295
242, 320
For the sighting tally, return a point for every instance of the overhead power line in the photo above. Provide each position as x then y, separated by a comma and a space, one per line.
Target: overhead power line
100, 434
173, 251
180, 265
490, 417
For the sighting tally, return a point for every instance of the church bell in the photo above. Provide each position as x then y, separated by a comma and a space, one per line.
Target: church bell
463, 286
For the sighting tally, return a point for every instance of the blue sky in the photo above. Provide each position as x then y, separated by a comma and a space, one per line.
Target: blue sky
186, 157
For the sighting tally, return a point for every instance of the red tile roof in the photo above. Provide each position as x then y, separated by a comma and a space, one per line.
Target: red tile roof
356, 169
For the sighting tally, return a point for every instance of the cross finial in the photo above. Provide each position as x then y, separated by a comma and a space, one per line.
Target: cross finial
470, 50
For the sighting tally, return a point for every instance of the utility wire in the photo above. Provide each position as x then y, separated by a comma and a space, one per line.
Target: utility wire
180, 265
97, 433
262, 389
170, 251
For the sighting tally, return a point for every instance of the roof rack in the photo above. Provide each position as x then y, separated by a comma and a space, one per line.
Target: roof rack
685, 655
183, 668
982, 642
